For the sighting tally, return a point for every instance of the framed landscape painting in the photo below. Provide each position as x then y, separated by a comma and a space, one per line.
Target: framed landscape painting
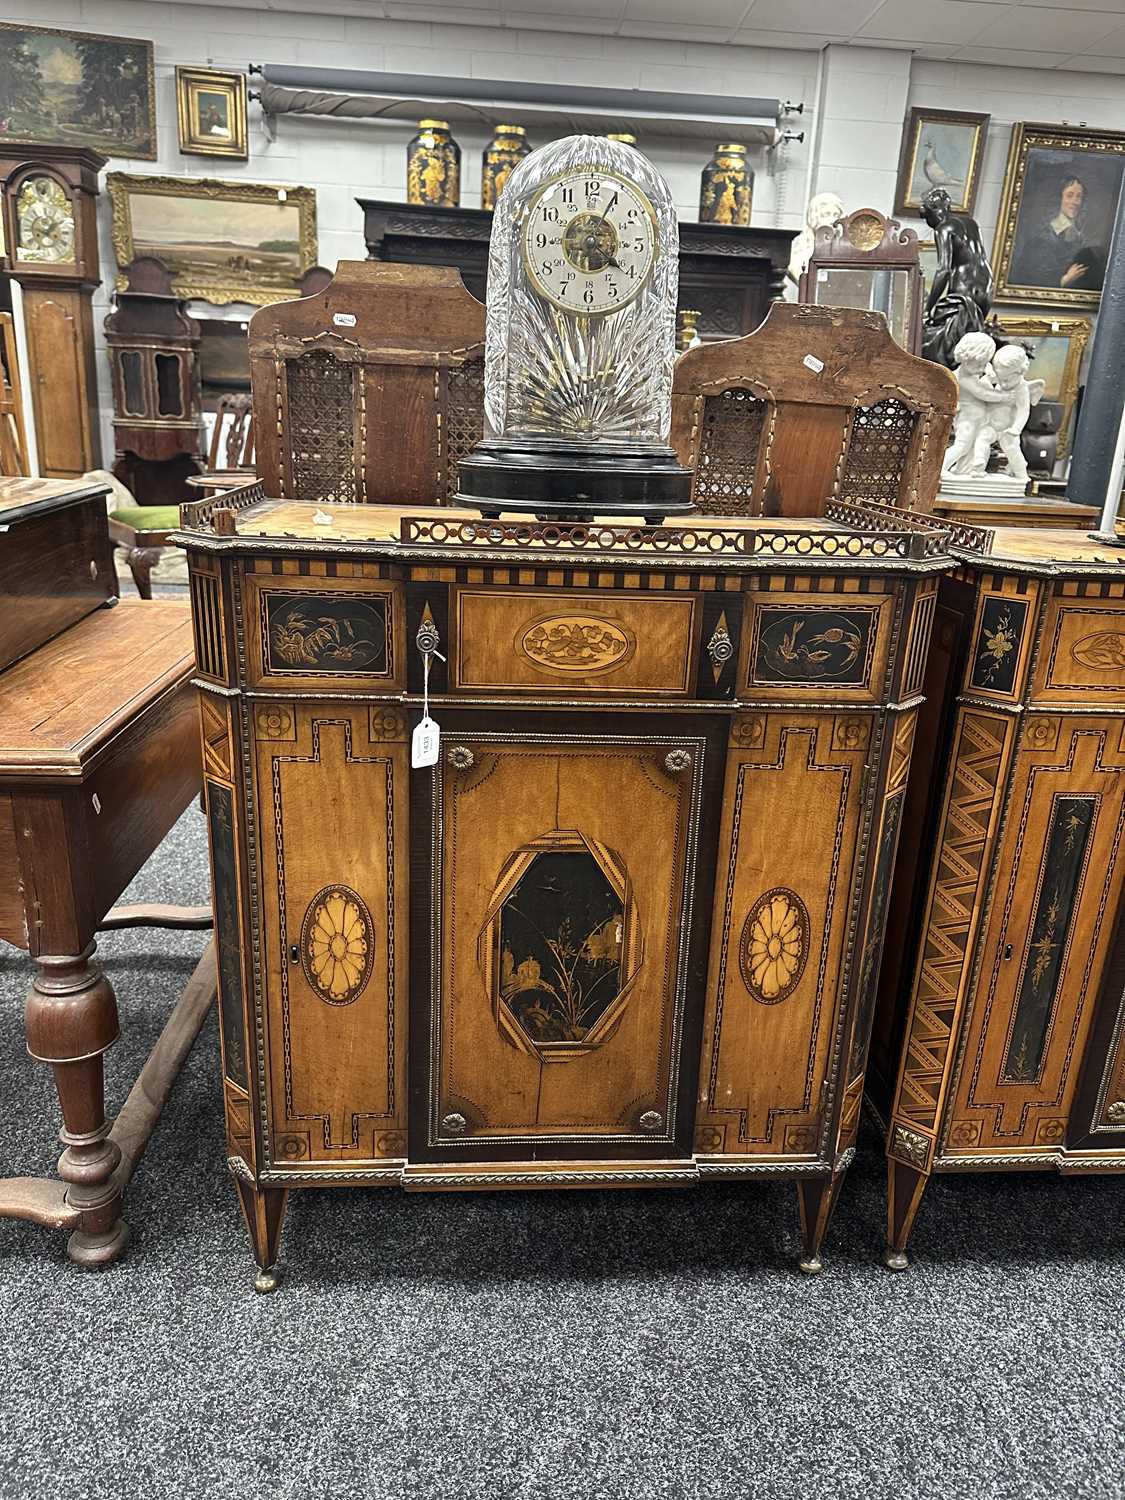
1056, 346
222, 241
1057, 214
940, 148
72, 88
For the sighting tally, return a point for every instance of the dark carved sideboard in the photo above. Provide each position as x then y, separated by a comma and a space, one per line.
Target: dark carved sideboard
729, 274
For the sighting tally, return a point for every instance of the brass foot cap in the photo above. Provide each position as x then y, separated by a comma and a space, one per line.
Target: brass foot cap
896, 1260
98, 1249
266, 1281
812, 1265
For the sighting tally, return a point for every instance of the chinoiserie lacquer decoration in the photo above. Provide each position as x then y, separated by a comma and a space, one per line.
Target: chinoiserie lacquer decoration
560, 946
580, 342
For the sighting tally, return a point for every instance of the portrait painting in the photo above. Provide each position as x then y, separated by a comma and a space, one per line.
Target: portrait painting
71, 88
211, 112
222, 241
1057, 214
940, 148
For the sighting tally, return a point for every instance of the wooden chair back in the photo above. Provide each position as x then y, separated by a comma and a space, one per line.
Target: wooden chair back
817, 404
232, 437
371, 389
13, 433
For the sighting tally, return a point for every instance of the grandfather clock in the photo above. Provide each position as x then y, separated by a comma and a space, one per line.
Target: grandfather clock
51, 248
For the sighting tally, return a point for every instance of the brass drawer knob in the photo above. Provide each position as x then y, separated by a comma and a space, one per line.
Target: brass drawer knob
1116, 1112
460, 757
676, 761
454, 1124
651, 1122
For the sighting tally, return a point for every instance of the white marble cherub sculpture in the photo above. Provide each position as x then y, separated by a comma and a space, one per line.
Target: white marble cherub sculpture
823, 209
993, 403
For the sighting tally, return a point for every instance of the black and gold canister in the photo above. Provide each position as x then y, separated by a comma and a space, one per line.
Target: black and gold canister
727, 187
504, 152
624, 137
433, 166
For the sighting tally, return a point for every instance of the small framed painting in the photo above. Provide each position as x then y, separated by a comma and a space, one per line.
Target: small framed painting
1057, 214
940, 148
211, 106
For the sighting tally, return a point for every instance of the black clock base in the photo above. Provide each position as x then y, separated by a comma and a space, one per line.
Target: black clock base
568, 483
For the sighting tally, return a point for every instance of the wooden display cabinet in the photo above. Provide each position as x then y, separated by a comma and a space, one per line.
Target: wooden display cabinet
1000, 1034
626, 931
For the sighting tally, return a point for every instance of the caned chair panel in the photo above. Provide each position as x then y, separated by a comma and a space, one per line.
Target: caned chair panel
370, 390
818, 403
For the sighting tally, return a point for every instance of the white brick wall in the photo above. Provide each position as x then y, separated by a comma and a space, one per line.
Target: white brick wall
863, 96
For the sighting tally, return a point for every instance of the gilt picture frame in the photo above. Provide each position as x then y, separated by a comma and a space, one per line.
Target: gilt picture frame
211, 112
940, 148
222, 241
77, 88
1057, 347
1057, 214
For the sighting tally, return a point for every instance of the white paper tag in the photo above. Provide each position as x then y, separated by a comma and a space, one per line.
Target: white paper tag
1054, 325
424, 745
344, 320
811, 362
822, 276
97, 801
321, 518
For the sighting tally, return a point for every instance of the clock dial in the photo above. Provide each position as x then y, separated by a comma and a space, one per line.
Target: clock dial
589, 242
45, 217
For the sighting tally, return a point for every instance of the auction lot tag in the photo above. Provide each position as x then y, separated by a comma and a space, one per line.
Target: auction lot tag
424, 745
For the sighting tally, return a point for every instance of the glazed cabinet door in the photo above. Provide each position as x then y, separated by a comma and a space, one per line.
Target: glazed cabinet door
331, 811
560, 936
1056, 884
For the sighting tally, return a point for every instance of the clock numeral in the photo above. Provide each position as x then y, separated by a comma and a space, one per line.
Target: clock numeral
540, 242
588, 296
611, 287
566, 194
550, 215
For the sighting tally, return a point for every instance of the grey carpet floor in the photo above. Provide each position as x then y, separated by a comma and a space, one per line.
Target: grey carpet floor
603, 1345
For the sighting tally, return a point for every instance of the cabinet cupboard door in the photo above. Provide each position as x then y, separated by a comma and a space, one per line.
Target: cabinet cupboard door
561, 927
331, 785
1058, 878
61, 397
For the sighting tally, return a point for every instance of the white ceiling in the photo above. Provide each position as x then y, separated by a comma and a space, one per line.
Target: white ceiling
1084, 35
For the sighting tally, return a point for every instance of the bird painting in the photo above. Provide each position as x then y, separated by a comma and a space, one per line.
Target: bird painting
933, 171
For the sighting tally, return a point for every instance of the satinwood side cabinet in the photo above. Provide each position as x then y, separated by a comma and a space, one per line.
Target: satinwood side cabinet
626, 930
1000, 1034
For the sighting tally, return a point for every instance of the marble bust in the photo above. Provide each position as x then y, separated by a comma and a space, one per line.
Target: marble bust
823, 209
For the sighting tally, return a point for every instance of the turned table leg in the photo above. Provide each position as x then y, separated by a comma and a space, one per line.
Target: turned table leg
71, 1023
141, 562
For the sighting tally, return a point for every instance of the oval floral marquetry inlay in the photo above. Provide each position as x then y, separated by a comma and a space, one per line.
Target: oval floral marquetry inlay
337, 944
775, 945
1104, 651
576, 643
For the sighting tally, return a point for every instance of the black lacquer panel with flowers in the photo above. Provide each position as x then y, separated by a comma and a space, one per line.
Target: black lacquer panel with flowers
220, 819
560, 947
339, 633
1068, 837
998, 644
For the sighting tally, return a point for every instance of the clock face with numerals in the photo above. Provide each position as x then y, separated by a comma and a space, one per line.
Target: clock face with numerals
589, 242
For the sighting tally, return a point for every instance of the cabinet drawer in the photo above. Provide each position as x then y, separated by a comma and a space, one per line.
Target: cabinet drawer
581, 643
307, 632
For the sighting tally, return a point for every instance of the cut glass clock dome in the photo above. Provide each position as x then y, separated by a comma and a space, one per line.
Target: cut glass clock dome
580, 345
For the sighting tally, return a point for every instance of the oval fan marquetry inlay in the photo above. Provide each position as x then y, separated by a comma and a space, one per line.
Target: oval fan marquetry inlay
576, 643
1104, 651
774, 947
337, 944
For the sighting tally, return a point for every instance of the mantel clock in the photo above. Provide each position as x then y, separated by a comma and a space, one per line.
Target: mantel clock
580, 343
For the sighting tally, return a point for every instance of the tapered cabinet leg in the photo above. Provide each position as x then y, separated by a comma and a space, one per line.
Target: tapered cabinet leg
264, 1212
141, 561
71, 1023
905, 1186
816, 1198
